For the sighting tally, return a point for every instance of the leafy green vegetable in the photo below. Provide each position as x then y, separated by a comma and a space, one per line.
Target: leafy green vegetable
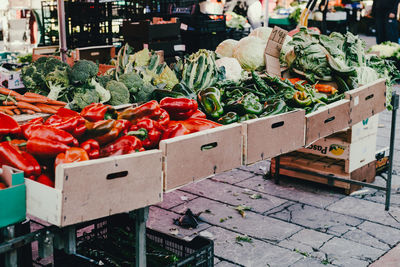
167, 77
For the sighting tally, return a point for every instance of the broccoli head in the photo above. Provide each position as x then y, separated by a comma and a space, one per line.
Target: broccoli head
104, 79
83, 71
31, 78
119, 93
85, 95
132, 81
57, 81
144, 93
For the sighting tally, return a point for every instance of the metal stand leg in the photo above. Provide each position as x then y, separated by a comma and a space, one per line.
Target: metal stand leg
395, 104
277, 168
11, 257
141, 218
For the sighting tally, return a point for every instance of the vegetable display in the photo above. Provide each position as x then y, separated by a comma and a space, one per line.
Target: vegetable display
39, 146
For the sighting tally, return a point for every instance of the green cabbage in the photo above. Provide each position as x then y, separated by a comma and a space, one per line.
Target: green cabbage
225, 48
262, 33
250, 53
366, 75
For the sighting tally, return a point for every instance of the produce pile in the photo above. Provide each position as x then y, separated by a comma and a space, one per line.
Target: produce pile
13, 103
39, 146
337, 57
262, 96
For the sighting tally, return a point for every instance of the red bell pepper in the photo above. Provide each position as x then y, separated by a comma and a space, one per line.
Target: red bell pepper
124, 145
97, 111
12, 156
8, 125
74, 154
196, 125
64, 112
45, 148
175, 130
92, 147
147, 110
179, 108
198, 115
53, 134
75, 125
26, 128
149, 131
46, 180
118, 127
163, 118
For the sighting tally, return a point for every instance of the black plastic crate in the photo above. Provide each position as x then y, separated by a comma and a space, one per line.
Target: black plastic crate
237, 34
145, 31
170, 47
208, 41
199, 252
201, 24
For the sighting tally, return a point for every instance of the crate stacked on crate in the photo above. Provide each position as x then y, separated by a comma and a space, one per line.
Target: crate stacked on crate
157, 34
348, 154
203, 31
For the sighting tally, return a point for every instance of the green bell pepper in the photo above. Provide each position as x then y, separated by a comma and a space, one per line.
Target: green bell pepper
246, 104
261, 84
229, 118
210, 100
334, 98
302, 99
314, 108
275, 108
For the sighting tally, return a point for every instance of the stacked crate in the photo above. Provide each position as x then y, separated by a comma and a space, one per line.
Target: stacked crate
146, 34
348, 154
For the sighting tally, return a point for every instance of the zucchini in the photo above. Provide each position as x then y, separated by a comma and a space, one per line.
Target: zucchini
159, 94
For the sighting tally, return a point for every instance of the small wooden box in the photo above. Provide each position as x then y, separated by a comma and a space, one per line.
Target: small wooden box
315, 165
366, 101
271, 136
97, 188
327, 120
193, 157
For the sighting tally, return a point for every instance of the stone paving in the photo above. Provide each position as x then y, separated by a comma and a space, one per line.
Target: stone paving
296, 223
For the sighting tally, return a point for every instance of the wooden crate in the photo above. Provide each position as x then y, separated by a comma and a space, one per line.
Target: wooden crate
199, 155
366, 101
356, 154
97, 188
99, 54
326, 166
271, 136
48, 51
364, 128
327, 120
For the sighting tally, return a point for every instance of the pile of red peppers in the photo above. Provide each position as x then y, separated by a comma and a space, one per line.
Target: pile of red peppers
39, 146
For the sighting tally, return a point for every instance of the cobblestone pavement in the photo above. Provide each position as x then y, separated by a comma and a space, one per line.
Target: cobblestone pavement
296, 223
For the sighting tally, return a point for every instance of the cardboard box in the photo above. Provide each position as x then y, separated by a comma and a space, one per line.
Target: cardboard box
327, 120
93, 189
11, 79
196, 156
13, 198
366, 101
356, 154
271, 136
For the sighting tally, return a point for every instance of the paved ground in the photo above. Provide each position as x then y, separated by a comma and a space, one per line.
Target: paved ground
296, 223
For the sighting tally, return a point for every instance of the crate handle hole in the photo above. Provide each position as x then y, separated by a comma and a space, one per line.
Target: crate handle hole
369, 97
329, 119
209, 146
95, 54
361, 161
277, 124
116, 175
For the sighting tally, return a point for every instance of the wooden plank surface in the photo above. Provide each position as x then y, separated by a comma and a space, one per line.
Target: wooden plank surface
196, 156
271, 136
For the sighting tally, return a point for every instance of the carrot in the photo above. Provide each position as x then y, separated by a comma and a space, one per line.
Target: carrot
46, 108
325, 88
56, 102
26, 105
30, 99
34, 95
7, 111
6, 91
27, 111
17, 111
8, 107
55, 107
